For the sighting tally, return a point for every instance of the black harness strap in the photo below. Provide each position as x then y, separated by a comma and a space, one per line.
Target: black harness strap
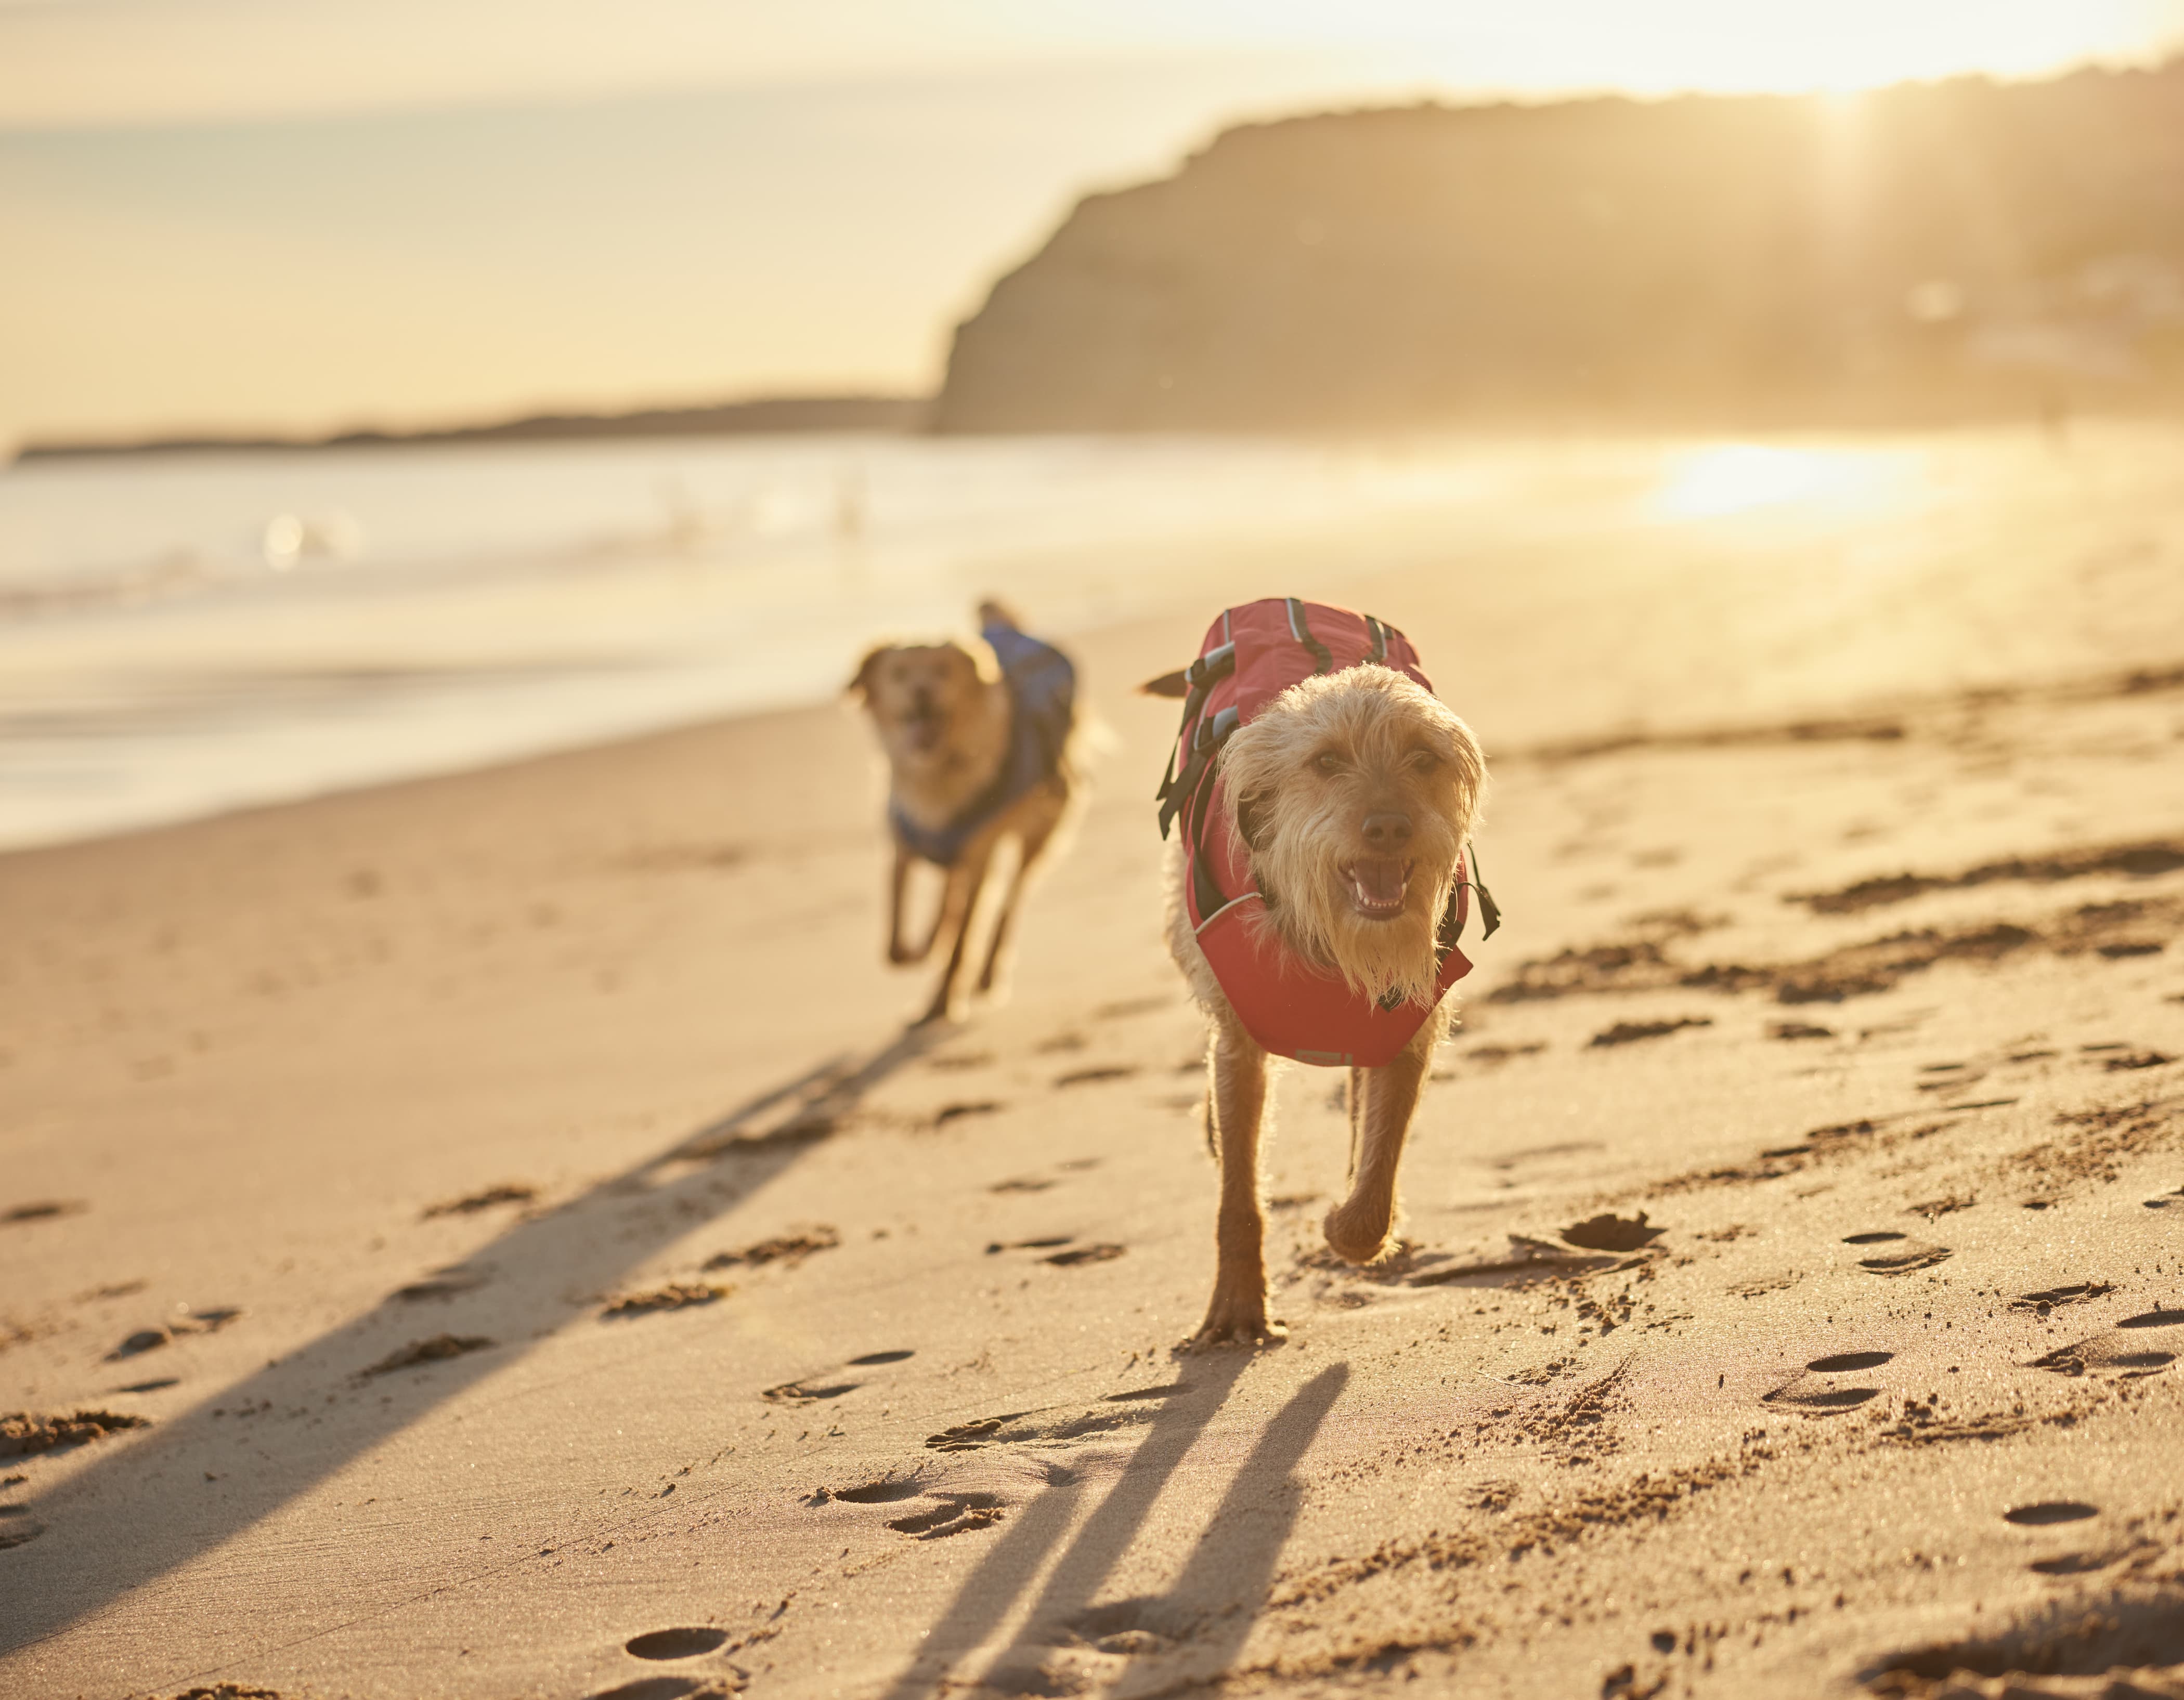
1301, 630
1200, 677
1489, 911
1378, 634
1205, 749
1205, 889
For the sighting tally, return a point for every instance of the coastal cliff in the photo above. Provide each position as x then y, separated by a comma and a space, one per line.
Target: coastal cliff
1922, 252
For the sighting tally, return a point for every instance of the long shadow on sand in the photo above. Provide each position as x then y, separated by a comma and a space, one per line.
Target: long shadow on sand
1212, 1606
155, 1505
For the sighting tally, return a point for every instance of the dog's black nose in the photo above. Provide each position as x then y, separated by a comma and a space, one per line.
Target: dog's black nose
1387, 832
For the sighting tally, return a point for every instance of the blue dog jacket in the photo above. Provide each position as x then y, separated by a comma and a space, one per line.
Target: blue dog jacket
1043, 696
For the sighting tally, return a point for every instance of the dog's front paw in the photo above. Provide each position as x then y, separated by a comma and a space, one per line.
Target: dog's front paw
1358, 1235
1239, 1319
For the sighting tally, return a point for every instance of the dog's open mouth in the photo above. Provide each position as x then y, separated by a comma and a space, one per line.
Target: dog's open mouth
1377, 887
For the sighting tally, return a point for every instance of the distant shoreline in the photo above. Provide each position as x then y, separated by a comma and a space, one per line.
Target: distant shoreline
903, 414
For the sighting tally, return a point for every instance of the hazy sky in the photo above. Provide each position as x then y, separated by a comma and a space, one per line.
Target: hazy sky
308, 213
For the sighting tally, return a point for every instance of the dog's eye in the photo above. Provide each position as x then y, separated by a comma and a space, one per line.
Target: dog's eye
1328, 761
1424, 761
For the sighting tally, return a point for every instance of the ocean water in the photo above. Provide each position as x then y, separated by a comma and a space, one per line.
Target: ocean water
184, 634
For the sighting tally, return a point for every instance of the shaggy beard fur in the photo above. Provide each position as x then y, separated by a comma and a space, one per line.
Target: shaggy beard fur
1301, 780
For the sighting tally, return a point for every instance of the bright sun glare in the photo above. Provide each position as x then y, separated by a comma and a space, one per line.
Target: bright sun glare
1737, 477
1663, 45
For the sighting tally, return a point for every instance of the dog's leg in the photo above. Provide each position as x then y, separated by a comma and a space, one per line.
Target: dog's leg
965, 881
1357, 1228
1032, 842
1353, 1101
899, 953
1239, 1309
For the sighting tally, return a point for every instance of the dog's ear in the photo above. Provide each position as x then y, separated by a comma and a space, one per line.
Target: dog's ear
860, 682
1250, 826
978, 655
1167, 685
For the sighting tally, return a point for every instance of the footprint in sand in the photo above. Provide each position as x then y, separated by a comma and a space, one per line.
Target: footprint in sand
2050, 1511
884, 1490
1085, 1077
2051, 1298
952, 1513
1811, 1392
1897, 1254
439, 1347
512, 1193
25, 1435
1101, 1254
2077, 1563
1612, 1233
1528, 1260
1130, 1395
681, 1295
444, 1283
813, 1391
1069, 1258
1126, 1627
1843, 1361
44, 1210
674, 1644
807, 1393
2142, 1345
787, 1250
190, 1322
17, 1528
1056, 1426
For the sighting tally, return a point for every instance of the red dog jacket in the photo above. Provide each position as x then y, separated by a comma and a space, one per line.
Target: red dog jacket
1290, 1006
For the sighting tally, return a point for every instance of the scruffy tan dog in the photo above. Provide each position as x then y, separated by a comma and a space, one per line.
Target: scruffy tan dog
1353, 795
979, 735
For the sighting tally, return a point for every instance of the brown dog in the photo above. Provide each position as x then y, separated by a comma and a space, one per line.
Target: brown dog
1353, 794
980, 735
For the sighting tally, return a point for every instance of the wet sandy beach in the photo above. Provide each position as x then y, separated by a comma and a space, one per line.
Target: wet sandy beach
489, 1223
